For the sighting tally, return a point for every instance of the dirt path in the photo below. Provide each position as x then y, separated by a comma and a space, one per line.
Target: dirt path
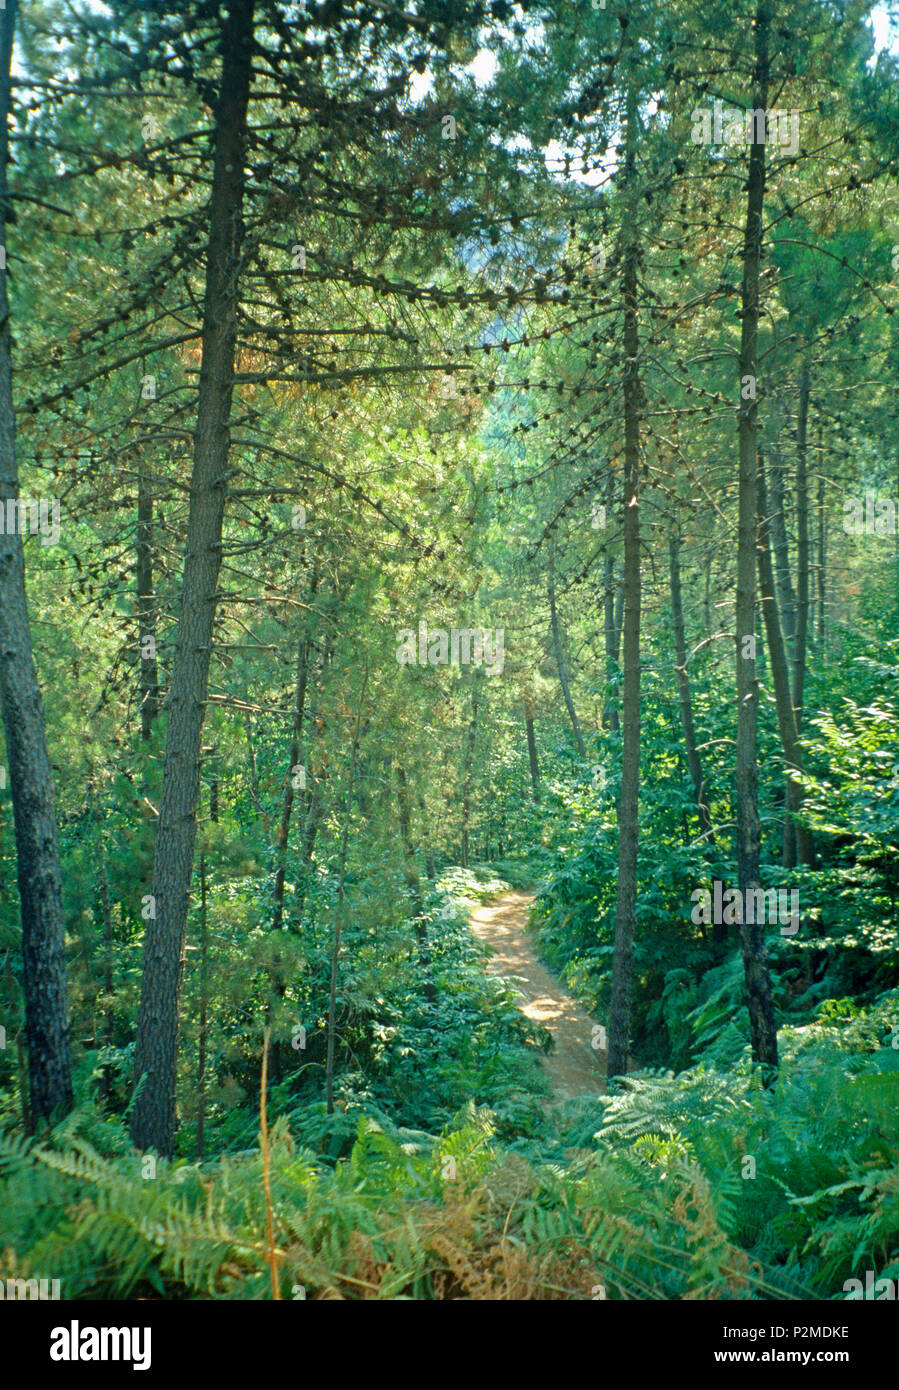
574, 1067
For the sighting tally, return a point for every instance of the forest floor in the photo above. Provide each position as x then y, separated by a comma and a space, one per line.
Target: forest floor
574, 1067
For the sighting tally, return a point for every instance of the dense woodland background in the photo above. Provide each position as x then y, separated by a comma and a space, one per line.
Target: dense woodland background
324, 321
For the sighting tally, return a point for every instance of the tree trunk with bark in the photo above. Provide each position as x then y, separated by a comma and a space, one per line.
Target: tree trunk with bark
560, 662
468, 768
786, 720
684, 693
31, 781
763, 1029
786, 597
148, 684
802, 547
532, 751
294, 782
822, 556
331, 1058
413, 882
629, 806
153, 1113
611, 626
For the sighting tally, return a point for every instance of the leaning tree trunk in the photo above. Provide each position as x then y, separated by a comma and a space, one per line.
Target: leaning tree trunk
153, 1115
683, 688
31, 782
629, 806
560, 663
762, 1025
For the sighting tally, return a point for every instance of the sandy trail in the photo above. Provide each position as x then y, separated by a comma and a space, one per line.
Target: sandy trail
574, 1067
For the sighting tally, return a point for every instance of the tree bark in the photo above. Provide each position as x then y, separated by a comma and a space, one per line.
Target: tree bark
560, 662
629, 807
468, 770
204, 1007
611, 627
786, 596
684, 693
610, 719
786, 719
282, 834
106, 1087
413, 882
203, 1039
430, 868
532, 751
331, 1057
802, 547
31, 782
822, 556
155, 1058
762, 1025
148, 684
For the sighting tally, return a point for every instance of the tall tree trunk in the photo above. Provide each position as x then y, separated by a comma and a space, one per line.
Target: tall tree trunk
786, 597
683, 687
629, 807
106, 1087
611, 625
786, 720
204, 1008
805, 849
468, 769
430, 869
532, 750
619, 613
331, 1058
31, 780
802, 547
560, 661
763, 1029
822, 556
295, 775
707, 599
413, 882
310, 834
156, 1047
204, 983
148, 684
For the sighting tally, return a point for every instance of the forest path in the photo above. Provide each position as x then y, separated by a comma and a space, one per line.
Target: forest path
574, 1067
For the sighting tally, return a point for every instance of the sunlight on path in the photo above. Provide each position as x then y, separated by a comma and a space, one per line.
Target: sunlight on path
574, 1067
